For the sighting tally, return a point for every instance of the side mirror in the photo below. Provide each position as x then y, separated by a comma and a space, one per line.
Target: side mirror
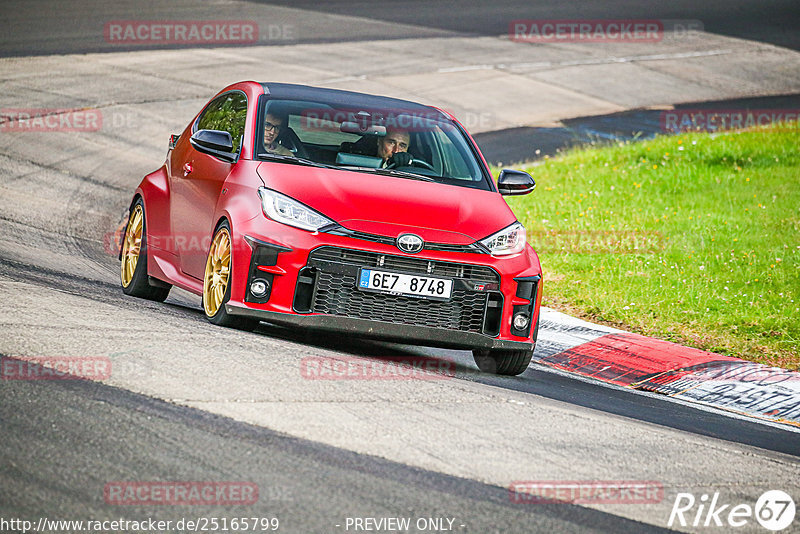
214, 142
513, 182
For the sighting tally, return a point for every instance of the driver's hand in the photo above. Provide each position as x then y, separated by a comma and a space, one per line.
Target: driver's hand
401, 159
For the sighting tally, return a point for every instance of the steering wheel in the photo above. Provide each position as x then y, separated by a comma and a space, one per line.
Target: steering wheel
414, 163
290, 140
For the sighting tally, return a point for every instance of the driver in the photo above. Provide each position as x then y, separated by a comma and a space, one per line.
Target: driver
273, 126
393, 148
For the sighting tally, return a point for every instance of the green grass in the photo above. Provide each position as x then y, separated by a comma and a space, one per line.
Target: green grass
692, 238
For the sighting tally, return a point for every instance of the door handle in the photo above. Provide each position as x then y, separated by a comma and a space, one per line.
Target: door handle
187, 168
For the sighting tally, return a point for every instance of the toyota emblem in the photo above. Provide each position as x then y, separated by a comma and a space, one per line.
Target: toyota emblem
410, 243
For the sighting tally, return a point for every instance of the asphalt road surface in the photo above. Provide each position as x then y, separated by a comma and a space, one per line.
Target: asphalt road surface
64, 441
776, 22
50, 27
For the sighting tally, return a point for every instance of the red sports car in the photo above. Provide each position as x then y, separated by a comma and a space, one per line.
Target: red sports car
339, 211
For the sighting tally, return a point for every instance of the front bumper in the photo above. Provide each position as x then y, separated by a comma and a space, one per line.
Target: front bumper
313, 284
435, 337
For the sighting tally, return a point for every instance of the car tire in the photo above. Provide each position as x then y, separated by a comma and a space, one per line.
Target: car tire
133, 259
217, 282
503, 362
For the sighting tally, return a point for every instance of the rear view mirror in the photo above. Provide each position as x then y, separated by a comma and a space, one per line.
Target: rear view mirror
363, 129
511, 182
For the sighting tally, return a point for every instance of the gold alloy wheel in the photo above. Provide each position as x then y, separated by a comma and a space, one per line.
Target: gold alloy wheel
131, 246
218, 268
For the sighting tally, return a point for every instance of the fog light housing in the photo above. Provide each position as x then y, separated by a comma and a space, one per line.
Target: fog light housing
520, 321
259, 288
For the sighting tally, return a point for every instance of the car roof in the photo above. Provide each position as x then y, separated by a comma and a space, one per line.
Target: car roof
290, 91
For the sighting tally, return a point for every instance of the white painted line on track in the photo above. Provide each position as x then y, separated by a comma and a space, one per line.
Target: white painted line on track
344, 79
578, 62
469, 67
652, 57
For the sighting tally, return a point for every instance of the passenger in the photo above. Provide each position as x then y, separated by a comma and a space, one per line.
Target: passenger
273, 126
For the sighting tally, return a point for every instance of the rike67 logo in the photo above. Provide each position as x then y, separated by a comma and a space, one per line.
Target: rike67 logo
774, 510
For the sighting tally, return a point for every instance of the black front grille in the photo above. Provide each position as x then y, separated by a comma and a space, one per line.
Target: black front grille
359, 258
469, 310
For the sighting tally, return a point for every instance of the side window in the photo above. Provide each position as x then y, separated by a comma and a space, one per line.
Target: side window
228, 113
455, 165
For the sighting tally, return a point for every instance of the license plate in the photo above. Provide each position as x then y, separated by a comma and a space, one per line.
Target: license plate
405, 284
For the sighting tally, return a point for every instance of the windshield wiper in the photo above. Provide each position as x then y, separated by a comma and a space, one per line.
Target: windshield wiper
294, 159
394, 172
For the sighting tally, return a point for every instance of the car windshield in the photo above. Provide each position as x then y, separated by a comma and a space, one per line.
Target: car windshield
367, 139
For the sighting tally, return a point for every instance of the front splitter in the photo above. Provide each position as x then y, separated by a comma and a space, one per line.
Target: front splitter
401, 333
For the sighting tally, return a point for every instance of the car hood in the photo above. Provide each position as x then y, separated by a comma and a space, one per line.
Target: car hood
388, 205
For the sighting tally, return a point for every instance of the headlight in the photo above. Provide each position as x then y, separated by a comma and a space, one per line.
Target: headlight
509, 240
287, 210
